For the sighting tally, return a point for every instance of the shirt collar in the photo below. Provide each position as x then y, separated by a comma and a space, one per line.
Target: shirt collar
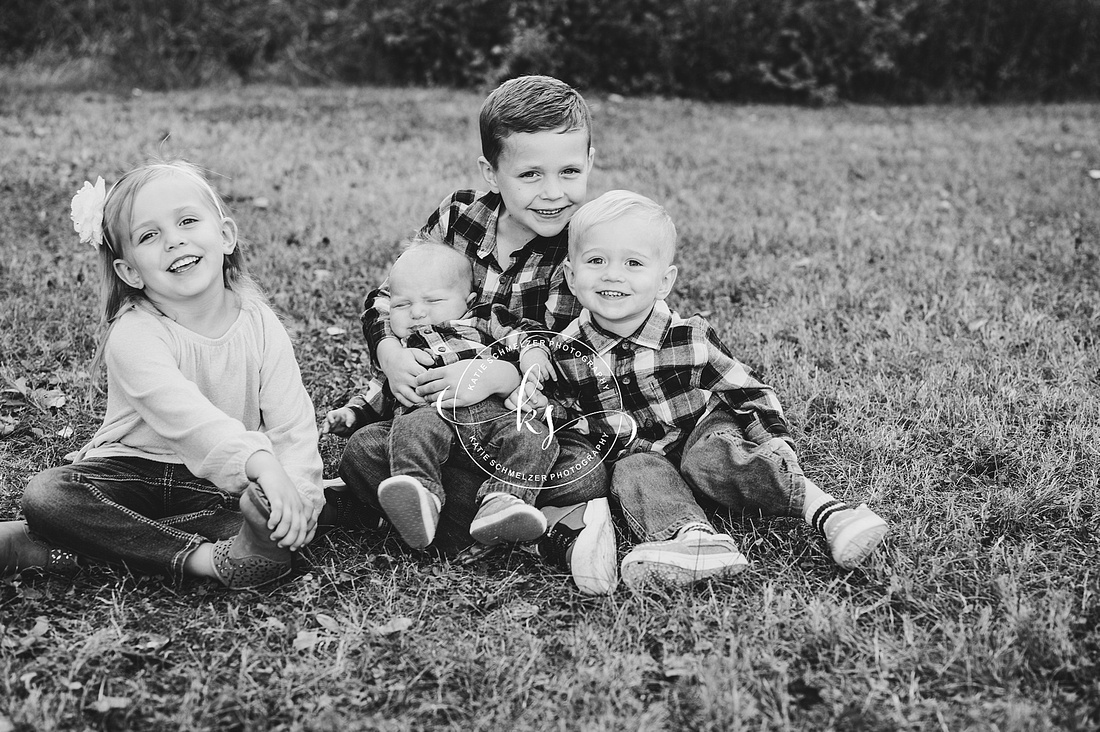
488, 208
650, 334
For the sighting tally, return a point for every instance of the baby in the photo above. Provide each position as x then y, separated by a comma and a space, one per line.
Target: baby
431, 312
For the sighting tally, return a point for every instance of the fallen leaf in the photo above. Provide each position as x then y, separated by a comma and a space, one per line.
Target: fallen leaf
154, 643
105, 704
1094, 174
327, 622
41, 627
273, 623
261, 202
394, 626
305, 640
514, 611
976, 324
335, 331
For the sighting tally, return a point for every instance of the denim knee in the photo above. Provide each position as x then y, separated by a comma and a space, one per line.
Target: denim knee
42, 499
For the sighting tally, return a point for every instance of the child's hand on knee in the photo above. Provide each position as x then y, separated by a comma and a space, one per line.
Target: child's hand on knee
290, 517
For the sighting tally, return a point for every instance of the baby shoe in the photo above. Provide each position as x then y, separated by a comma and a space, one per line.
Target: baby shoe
411, 508
506, 519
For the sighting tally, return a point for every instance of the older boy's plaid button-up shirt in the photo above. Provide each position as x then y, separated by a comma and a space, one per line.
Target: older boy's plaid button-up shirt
485, 330
666, 376
533, 285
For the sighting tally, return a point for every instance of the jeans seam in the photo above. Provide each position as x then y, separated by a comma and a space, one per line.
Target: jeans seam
176, 566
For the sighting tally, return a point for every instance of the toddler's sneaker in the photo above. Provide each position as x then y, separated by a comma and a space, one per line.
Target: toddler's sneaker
411, 508
689, 557
344, 510
506, 519
581, 540
853, 534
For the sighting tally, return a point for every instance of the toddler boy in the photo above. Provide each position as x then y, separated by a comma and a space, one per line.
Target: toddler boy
700, 426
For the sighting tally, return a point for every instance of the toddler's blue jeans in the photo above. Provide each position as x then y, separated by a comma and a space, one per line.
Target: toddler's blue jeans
742, 471
146, 515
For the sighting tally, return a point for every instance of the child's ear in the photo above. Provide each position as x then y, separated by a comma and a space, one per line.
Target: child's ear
128, 274
489, 173
229, 235
570, 275
667, 280
591, 156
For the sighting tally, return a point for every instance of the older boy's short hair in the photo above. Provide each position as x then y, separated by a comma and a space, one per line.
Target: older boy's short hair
530, 104
614, 205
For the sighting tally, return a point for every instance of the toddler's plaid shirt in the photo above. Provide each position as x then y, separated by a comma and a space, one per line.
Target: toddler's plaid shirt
670, 373
484, 331
533, 286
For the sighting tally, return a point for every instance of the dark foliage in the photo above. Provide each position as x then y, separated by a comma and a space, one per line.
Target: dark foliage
809, 51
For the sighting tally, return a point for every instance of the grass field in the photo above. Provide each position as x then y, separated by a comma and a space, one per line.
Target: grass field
920, 285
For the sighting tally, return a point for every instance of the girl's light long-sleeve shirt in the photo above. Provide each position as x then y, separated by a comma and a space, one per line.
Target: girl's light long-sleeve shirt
176, 396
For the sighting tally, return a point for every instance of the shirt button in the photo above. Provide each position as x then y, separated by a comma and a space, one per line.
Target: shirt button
648, 423
440, 349
627, 380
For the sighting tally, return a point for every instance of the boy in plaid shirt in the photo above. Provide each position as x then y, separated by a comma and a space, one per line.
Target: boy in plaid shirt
431, 294
690, 420
536, 157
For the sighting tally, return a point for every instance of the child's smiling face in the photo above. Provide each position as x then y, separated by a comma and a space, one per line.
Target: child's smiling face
177, 243
542, 178
618, 270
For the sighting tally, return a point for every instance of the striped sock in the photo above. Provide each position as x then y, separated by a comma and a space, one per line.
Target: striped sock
819, 506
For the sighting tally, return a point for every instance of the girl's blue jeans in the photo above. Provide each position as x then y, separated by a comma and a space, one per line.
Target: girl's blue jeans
743, 471
146, 515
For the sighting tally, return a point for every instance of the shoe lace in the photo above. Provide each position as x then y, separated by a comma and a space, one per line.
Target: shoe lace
555, 544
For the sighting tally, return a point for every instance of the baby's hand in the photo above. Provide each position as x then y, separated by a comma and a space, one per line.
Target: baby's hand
527, 397
535, 363
339, 422
402, 366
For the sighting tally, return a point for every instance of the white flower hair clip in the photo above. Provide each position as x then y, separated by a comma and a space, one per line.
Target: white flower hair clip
87, 212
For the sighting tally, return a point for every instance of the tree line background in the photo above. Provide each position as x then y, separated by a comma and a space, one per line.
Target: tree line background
803, 51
